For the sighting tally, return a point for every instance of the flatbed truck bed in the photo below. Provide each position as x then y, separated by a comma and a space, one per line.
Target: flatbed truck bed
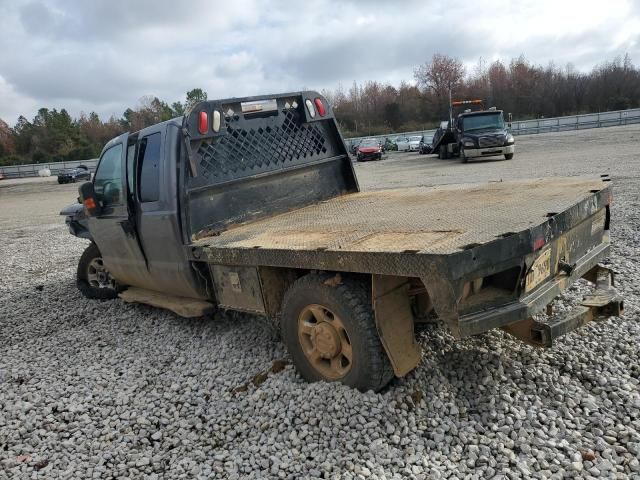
436, 220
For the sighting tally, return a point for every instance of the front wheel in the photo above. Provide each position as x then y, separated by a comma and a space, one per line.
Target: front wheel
329, 328
508, 156
93, 279
463, 155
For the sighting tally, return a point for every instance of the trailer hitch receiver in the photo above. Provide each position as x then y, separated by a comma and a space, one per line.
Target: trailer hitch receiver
602, 303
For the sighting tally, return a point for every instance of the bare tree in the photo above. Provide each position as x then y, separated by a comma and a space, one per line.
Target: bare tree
441, 74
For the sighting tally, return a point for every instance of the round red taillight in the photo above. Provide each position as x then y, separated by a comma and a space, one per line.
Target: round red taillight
320, 107
203, 123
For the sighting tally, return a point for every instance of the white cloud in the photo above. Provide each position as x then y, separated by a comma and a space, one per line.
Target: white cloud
105, 54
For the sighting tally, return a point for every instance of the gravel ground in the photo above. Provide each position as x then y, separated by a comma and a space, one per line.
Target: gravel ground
113, 390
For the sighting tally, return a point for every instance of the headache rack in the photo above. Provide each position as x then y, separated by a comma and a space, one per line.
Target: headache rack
249, 158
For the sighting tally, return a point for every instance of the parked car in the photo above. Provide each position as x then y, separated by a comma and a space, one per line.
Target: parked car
414, 142
425, 144
402, 143
1, 176
390, 145
353, 147
72, 175
369, 149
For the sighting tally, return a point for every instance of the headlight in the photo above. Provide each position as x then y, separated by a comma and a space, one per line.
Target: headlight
468, 142
510, 139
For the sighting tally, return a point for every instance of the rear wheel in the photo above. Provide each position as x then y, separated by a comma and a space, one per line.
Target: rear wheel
442, 153
331, 335
508, 156
93, 279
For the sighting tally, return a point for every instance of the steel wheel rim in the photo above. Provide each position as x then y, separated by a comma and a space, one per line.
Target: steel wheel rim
97, 274
325, 341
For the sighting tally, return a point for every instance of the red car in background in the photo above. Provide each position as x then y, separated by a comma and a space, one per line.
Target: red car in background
369, 149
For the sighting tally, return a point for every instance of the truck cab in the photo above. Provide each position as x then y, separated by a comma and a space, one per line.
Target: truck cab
483, 134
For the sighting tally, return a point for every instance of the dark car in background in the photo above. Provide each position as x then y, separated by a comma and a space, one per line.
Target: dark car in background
369, 149
424, 147
72, 175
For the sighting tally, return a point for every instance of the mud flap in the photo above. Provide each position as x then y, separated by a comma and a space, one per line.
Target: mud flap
394, 322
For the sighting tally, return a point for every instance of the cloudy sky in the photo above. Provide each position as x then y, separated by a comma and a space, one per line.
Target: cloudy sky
104, 55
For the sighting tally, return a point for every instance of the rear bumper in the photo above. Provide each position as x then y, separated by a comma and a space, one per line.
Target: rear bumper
602, 303
489, 151
534, 302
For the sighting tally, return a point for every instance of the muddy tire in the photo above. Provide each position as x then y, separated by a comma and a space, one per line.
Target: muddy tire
329, 329
92, 278
508, 156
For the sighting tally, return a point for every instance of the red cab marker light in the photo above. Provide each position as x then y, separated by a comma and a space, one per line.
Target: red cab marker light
320, 107
538, 244
203, 123
89, 203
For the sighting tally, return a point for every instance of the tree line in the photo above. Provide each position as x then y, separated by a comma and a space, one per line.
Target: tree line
519, 87
53, 136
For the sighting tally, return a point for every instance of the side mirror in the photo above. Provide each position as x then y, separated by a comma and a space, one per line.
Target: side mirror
88, 199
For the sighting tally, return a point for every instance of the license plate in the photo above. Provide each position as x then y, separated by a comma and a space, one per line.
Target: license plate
540, 270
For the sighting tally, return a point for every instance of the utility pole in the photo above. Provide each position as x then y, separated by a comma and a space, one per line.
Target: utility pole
450, 109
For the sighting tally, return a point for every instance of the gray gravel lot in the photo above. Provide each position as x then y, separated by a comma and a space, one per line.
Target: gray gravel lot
114, 390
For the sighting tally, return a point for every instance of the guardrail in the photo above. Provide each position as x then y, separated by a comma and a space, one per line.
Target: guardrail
576, 122
31, 169
542, 125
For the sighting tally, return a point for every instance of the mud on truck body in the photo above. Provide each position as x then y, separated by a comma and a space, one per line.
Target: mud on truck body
253, 205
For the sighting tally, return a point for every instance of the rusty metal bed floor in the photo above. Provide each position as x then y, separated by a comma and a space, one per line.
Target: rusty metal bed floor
441, 219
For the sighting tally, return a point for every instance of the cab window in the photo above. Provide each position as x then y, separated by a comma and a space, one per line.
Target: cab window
107, 181
149, 168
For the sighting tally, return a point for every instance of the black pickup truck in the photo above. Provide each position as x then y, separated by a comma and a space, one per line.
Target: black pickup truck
252, 204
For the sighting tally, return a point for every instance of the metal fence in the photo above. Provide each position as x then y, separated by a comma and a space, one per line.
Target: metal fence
542, 125
576, 122
32, 169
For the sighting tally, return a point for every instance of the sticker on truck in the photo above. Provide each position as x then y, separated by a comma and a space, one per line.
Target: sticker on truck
540, 270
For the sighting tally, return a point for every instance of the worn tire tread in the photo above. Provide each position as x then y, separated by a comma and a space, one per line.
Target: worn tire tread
355, 296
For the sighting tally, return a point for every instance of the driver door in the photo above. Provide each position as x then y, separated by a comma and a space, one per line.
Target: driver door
112, 229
